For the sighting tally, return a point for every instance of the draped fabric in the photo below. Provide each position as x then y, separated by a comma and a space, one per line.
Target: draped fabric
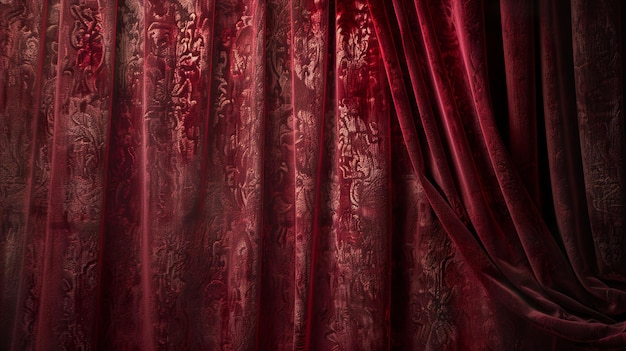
312, 175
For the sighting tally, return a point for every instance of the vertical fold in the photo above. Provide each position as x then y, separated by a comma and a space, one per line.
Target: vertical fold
31, 275
174, 94
564, 153
67, 315
224, 308
256, 179
309, 35
598, 48
309, 28
145, 242
278, 289
123, 315
355, 242
196, 60
23, 29
519, 59
326, 204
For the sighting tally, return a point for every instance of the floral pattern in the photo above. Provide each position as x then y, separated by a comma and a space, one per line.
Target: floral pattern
302, 175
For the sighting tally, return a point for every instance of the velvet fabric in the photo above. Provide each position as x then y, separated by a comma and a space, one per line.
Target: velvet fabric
312, 175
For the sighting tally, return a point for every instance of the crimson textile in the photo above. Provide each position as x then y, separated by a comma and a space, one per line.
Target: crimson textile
312, 175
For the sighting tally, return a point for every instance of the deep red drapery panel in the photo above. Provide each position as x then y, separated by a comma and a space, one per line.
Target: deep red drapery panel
312, 175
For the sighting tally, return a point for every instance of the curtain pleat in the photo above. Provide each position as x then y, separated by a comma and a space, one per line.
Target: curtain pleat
312, 175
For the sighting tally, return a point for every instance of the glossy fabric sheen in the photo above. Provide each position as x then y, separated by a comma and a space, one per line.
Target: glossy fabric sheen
312, 175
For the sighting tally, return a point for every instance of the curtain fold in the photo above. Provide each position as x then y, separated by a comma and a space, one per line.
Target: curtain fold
312, 175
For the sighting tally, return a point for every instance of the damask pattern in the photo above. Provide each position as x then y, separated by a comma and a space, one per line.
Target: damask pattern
19, 98
64, 200
602, 70
309, 28
232, 229
82, 110
121, 260
299, 175
354, 249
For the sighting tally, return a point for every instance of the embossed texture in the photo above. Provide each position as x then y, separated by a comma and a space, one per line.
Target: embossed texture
312, 175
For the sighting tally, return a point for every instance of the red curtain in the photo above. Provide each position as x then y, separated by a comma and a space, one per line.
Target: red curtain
312, 175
